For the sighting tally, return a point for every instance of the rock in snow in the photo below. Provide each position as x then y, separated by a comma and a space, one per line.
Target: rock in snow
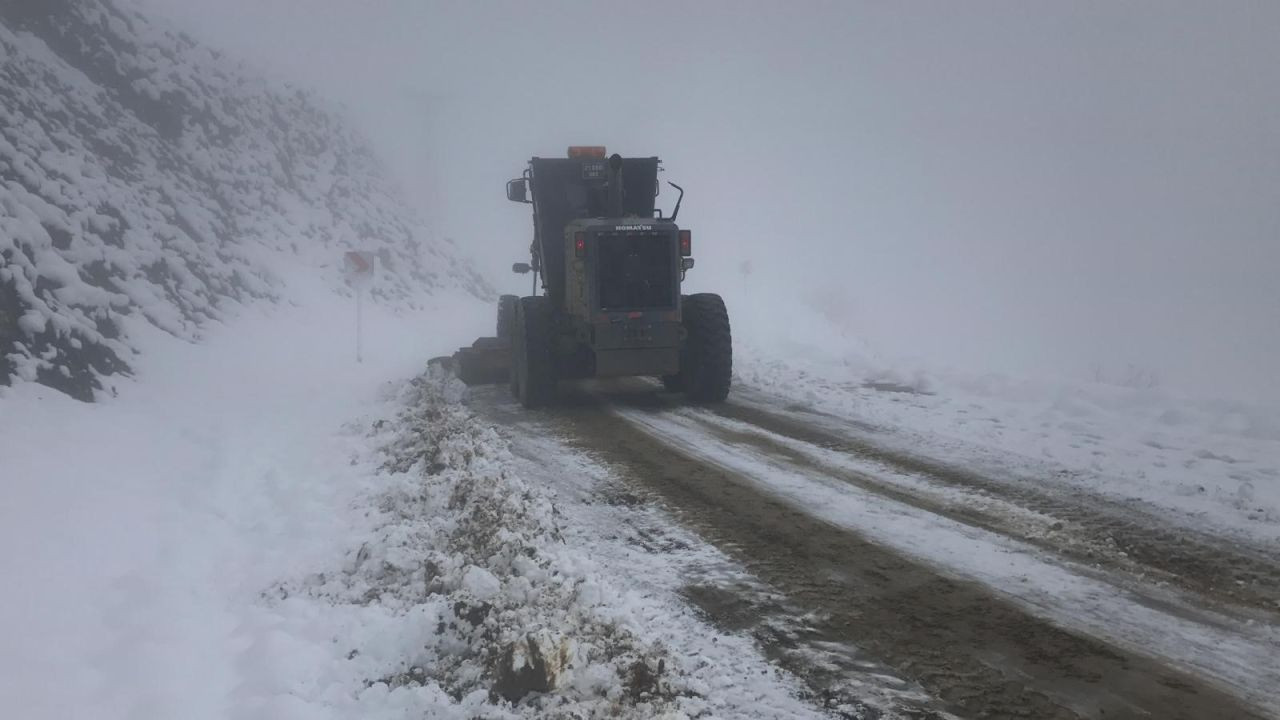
147, 179
481, 583
534, 663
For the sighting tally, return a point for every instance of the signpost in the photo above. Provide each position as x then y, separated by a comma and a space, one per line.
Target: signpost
358, 266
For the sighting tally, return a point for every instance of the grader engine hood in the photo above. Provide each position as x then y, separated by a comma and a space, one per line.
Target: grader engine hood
622, 266
623, 285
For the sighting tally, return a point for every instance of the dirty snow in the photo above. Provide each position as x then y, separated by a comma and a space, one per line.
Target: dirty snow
1236, 654
638, 544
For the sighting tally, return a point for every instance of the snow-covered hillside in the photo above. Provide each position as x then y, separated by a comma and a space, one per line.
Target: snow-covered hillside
147, 179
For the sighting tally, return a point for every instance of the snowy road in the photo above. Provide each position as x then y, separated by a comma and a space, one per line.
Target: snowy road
882, 577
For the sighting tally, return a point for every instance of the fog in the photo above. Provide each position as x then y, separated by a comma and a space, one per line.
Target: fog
1029, 187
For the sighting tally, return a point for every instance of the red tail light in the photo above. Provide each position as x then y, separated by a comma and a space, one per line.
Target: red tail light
580, 244
686, 243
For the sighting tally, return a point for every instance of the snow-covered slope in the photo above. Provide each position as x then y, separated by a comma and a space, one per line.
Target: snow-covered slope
145, 178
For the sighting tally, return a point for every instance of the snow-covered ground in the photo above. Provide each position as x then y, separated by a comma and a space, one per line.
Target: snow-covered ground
257, 526
253, 525
1213, 464
142, 531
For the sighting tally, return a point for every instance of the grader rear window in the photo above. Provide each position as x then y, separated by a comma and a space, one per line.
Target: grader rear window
636, 271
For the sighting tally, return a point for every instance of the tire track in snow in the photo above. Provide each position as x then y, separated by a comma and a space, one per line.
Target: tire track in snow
621, 516
1236, 655
1029, 652
1080, 525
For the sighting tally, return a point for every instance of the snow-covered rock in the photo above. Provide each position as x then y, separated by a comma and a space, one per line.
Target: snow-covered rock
145, 178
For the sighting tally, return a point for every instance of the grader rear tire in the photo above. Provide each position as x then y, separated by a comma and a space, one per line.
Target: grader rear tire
507, 316
706, 363
533, 366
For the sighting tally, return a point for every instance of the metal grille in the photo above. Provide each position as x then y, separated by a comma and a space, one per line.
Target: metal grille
635, 271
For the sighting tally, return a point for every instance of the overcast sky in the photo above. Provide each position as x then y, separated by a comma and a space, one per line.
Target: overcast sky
1025, 186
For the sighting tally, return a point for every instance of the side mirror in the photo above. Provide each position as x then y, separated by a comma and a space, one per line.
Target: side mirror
518, 190
521, 268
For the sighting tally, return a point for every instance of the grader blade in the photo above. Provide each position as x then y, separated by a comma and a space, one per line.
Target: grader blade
487, 361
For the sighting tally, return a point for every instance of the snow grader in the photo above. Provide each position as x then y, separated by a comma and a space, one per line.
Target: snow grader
610, 267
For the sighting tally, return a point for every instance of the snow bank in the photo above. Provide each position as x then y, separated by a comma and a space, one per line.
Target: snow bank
488, 606
142, 175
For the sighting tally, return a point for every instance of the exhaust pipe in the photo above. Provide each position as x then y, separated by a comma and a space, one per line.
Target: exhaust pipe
615, 186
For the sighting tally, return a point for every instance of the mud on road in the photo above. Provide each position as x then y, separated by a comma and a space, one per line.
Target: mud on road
850, 605
1078, 524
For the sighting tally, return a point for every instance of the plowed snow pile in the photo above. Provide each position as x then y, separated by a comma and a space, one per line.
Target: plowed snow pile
468, 559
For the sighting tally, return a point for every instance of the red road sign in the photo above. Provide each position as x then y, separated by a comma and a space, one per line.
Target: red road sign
358, 266
359, 262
